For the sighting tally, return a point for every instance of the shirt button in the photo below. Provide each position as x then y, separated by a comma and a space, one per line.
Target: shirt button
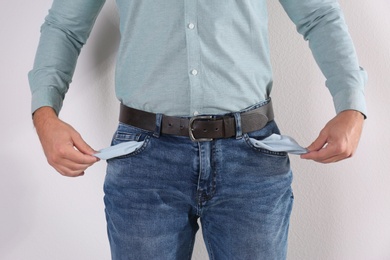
194, 72
191, 26
196, 113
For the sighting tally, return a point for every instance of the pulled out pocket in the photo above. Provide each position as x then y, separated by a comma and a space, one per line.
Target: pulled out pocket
119, 150
278, 143
127, 141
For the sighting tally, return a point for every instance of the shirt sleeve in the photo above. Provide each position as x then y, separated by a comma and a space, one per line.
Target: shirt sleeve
63, 34
322, 24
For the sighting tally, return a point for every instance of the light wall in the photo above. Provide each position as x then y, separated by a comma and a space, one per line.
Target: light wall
341, 210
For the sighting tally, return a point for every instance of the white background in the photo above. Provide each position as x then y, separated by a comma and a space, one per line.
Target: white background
341, 211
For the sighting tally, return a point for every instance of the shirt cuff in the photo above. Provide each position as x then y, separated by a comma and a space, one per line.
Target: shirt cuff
46, 96
347, 90
350, 100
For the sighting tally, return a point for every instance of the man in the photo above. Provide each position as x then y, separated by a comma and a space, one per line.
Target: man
194, 81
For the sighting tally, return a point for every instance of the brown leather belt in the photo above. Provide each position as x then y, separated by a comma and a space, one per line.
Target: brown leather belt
199, 128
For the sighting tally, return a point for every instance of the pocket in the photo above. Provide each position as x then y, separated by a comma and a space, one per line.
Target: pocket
126, 133
279, 143
268, 130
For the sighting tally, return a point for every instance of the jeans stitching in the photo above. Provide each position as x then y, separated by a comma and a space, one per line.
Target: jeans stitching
263, 151
134, 153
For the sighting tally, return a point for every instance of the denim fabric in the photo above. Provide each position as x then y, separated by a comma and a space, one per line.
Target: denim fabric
155, 195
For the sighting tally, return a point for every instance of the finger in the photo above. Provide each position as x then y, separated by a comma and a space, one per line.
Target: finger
71, 168
74, 166
323, 159
70, 162
333, 159
315, 154
76, 156
65, 171
328, 154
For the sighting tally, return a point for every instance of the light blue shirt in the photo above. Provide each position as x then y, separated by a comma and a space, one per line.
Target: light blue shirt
186, 57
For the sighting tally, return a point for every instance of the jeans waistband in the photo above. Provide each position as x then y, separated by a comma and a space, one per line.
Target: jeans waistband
202, 127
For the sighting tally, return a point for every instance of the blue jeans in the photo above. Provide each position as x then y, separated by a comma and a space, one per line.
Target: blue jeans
155, 195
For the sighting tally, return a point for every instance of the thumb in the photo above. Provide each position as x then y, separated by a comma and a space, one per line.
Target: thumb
318, 143
81, 145
315, 146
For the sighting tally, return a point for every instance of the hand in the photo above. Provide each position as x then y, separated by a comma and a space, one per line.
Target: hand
64, 148
339, 138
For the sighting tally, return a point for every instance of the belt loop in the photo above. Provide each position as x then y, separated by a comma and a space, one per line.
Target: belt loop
237, 119
157, 131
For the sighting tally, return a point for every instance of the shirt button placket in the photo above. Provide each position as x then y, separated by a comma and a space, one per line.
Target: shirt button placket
193, 52
192, 49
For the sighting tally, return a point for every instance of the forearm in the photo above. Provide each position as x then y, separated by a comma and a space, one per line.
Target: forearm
41, 115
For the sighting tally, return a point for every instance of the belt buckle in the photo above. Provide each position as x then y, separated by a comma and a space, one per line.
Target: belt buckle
190, 129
